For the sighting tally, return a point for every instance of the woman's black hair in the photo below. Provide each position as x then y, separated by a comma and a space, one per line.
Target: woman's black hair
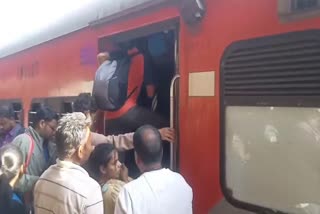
100, 156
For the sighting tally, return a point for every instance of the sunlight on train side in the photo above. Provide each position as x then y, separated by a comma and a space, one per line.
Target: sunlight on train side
19, 19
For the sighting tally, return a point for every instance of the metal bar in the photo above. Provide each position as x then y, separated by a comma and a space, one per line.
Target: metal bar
173, 147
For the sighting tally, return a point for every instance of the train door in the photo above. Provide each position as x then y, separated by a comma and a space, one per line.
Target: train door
161, 48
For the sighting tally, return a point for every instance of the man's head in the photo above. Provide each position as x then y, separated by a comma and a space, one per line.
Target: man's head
102, 57
86, 104
7, 119
45, 122
148, 147
73, 138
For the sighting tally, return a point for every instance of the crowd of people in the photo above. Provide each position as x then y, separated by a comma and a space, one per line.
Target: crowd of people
60, 165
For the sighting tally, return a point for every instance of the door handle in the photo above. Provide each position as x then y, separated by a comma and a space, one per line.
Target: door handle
173, 146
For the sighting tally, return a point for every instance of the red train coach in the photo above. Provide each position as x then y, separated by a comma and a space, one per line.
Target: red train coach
228, 54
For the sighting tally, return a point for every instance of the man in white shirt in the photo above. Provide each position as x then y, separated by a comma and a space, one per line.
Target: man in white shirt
157, 190
66, 187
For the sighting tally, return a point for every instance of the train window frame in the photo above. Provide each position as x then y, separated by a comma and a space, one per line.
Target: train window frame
47, 101
13, 102
288, 13
257, 98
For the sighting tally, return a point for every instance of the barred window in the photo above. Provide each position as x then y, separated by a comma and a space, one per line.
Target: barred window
297, 9
300, 5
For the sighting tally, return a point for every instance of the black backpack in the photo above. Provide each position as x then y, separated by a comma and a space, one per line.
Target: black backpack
111, 82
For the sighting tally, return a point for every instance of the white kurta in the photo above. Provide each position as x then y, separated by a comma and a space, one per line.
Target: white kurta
156, 192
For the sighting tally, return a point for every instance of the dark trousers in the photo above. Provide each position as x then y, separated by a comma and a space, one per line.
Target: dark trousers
130, 122
133, 119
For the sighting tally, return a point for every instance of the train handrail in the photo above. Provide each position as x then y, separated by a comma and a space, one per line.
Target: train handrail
173, 146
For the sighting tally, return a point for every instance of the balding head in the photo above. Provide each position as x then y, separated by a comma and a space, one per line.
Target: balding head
102, 57
148, 145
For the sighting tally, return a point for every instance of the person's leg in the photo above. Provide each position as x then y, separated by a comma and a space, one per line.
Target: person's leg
118, 126
143, 116
133, 119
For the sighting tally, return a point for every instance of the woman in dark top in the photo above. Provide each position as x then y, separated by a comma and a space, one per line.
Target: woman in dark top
11, 169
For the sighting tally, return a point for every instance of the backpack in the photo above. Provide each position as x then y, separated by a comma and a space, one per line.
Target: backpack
110, 87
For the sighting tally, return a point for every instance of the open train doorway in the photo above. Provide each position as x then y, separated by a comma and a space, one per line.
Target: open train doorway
158, 99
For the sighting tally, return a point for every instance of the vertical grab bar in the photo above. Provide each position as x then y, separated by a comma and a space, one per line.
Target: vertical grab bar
173, 146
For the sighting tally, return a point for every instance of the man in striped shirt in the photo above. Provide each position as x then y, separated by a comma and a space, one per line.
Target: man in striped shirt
66, 187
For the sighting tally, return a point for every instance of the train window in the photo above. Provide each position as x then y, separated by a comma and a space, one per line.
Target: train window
295, 9
34, 107
17, 107
300, 5
270, 123
61, 105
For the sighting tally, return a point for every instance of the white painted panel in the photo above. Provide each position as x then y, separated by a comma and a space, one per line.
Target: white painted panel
201, 84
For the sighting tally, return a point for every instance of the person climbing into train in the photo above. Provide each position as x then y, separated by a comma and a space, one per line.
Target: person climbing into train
38, 149
127, 69
8, 125
140, 74
105, 168
86, 104
158, 190
11, 170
